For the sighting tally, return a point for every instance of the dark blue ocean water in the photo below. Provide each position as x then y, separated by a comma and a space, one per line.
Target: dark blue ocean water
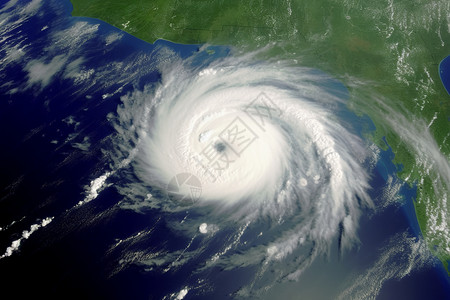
44, 172
444, 73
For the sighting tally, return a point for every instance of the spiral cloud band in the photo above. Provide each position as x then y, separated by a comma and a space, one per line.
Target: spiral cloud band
263, 139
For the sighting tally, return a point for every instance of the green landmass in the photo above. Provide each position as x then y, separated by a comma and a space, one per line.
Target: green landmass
387, 53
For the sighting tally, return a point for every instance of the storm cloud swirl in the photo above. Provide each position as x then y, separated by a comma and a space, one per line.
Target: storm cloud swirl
253, 142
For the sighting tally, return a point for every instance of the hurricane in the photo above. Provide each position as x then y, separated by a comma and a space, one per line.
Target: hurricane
262, 141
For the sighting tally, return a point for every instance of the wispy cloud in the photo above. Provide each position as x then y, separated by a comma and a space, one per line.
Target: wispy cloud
401, 256
40, 73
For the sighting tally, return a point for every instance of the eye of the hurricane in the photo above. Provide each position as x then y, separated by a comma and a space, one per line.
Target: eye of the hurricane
220, 147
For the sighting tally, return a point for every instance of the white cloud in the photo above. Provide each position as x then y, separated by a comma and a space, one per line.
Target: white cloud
77, 72
32, 7
182, 294
10, 4
96, 186
112, 38
401, 256
71, 40
25, 235
41, 73
203, 228
83, 146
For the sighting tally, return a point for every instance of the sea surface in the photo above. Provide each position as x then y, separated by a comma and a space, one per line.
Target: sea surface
444, 72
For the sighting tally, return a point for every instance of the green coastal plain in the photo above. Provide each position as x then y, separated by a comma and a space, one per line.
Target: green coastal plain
387, 53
